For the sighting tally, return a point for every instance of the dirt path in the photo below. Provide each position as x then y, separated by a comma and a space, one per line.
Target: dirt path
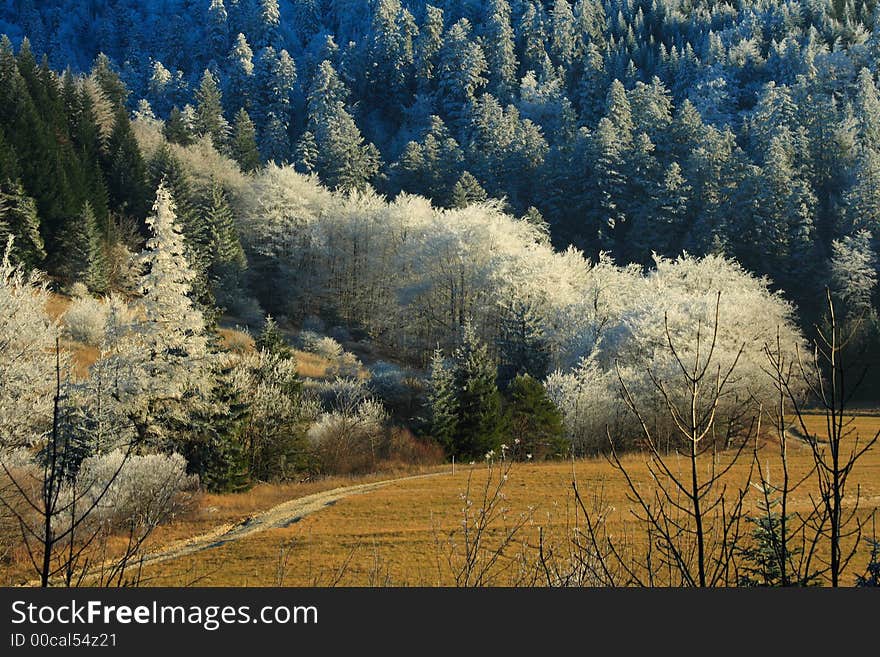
282, 515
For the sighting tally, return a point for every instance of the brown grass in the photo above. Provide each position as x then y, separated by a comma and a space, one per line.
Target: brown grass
396, 535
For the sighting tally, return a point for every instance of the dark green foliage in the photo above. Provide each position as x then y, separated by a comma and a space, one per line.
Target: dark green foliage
467, 191
270, 340
770, 558
210, 438
244, 143
443, 402
535, 422
209, 112
18, 219
81, 256
176, 129
466, 409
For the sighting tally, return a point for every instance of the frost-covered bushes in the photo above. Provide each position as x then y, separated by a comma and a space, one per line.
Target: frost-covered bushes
622, 334
340, 393
141, 491
391, 382
86, 320
589, 400
350, 438
328, 348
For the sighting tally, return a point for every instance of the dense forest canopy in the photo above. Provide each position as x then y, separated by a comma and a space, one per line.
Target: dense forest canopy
749, 129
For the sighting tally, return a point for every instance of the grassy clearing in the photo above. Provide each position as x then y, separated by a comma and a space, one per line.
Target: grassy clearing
399, 535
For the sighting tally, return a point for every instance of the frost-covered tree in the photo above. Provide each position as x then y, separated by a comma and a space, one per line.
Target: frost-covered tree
345, 159
854, 273
19, 220
153, 362
27, 356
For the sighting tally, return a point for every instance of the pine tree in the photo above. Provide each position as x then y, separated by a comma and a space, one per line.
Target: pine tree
500, 50
218, 30
244, 143
306, 153
271, 340
269, 24
125, 170
225, 247
19, 220
480, 418
535, 422
467, 191
163, 358
427, 45
461, 74
443, 402
176, 129
81, 252
209, 112
240, 75
344, 159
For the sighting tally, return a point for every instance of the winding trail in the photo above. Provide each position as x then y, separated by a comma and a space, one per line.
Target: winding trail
281, 515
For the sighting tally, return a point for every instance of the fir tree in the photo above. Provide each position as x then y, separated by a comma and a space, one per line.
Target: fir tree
271, 340
176, 129
535, 422
81, 250
209, 112
467, 191
443, 402
19, 220
480, 417
244, 143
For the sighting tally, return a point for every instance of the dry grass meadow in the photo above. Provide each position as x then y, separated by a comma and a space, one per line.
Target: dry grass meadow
401, 535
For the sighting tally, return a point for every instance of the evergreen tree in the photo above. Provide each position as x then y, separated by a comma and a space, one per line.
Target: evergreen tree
306, 153
218, 30
461, 74
443, 402
467, 191
244, 143
225, 247
480, 423
271, 340
535, 422
344, 159
427, 45
209, 112
500, 50
19, 220
176, 129
240, 74
81, 250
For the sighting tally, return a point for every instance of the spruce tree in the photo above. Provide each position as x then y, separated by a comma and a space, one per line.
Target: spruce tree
480, 423
271, 340
176, 129
19, 220
81, 252
209, 112
244, 143
467, 191
443, 402
535, 422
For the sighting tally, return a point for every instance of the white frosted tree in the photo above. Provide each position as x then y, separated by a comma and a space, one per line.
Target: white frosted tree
27, 359
854, 273
155, 356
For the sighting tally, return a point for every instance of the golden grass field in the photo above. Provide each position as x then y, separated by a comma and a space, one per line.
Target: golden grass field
398, 535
